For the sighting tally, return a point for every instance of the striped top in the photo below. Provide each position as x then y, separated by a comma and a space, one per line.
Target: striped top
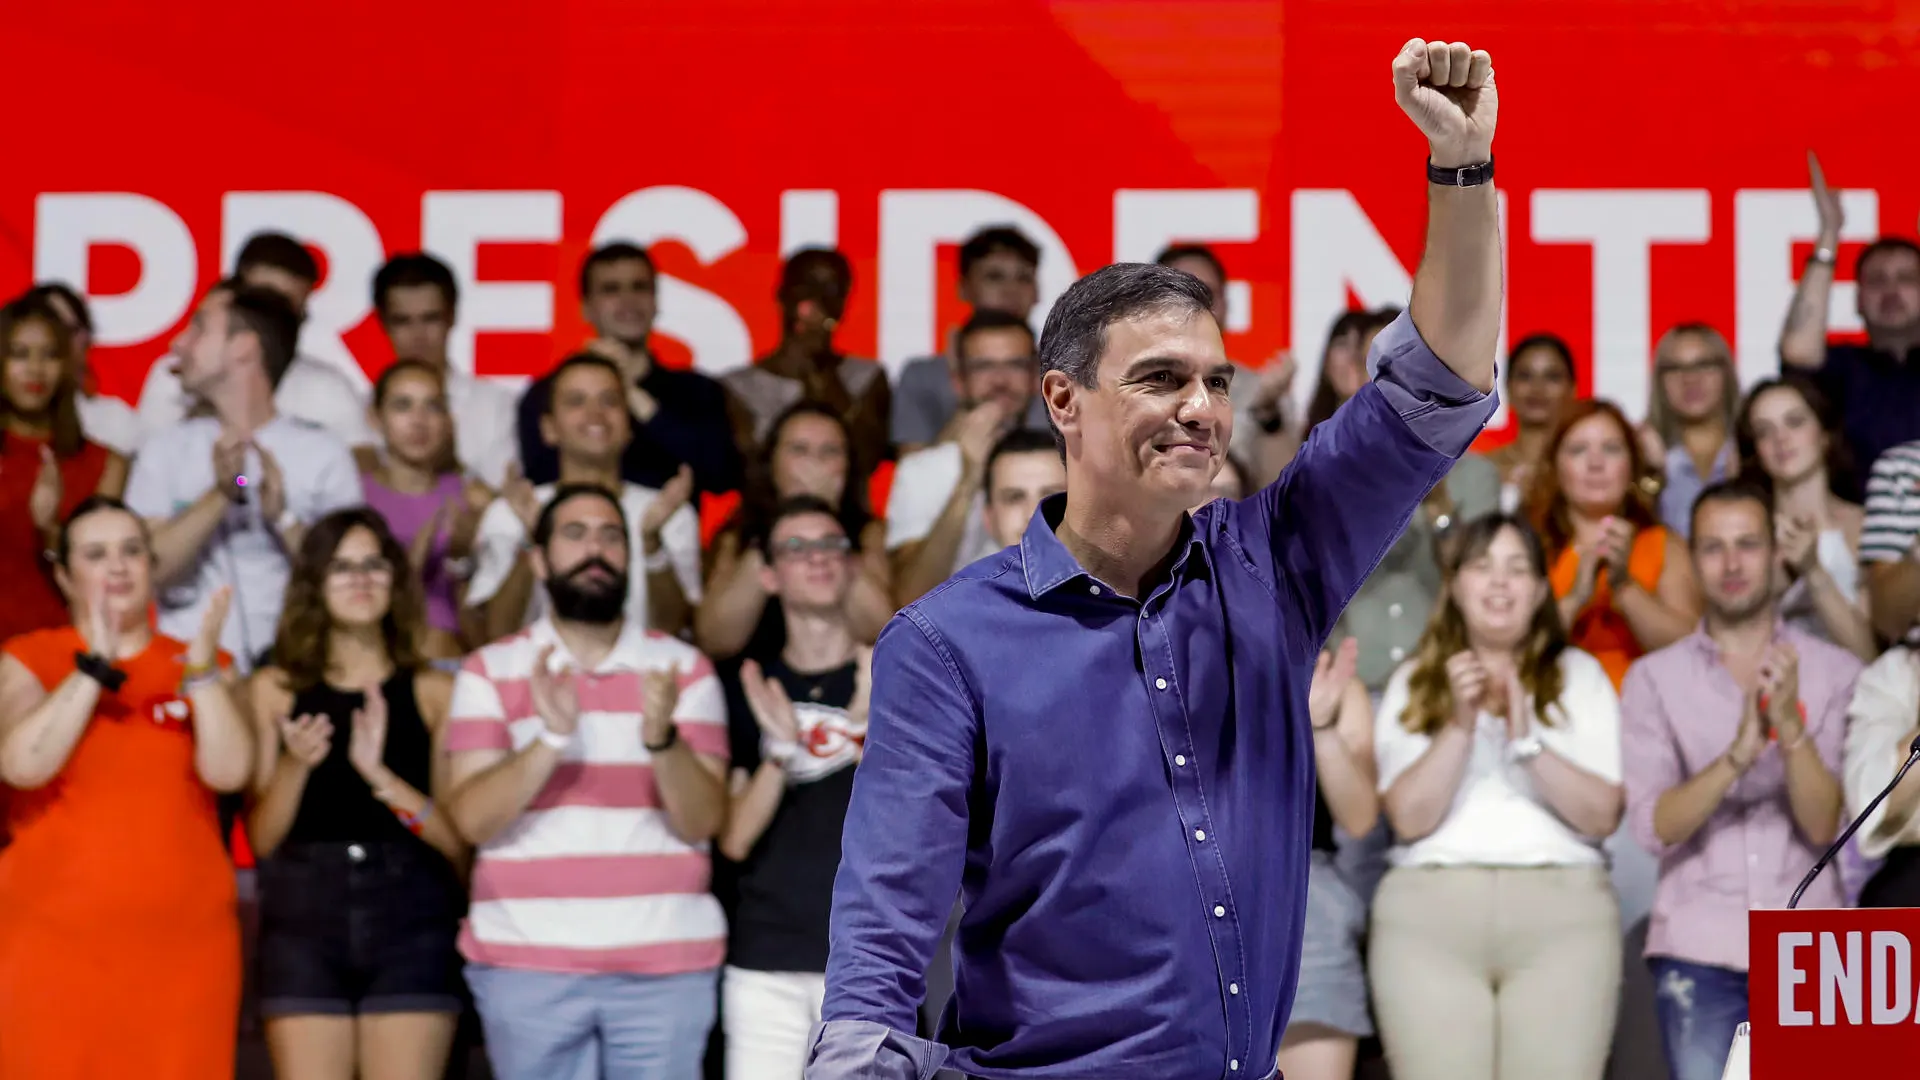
591, 879
1893, 510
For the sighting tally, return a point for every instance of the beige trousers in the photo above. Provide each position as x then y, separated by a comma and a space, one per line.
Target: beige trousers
1481, 973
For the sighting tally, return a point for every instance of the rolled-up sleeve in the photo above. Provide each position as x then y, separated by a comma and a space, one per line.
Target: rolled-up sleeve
901, 857
1350, 491
1879, 716
1650, 763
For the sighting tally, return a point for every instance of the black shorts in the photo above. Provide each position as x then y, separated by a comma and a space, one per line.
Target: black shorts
359, 928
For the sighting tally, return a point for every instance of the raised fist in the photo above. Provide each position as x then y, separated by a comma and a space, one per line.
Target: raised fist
1447, 90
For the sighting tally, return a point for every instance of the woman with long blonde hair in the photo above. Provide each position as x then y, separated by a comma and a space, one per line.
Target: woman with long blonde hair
1495, 952
1690, 414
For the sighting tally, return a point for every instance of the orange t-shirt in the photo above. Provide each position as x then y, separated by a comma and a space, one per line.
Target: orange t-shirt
1600, 628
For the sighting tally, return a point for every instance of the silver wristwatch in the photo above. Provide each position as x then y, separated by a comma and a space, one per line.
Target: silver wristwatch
1525, 750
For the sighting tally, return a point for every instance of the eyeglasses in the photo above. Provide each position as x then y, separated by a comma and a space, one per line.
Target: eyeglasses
796, 549
374, 568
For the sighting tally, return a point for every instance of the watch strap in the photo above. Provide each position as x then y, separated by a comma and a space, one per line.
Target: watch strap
554, 739
673, 736
1463, 176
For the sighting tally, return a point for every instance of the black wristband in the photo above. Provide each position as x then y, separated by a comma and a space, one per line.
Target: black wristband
1464, 176
97, 668
673, 736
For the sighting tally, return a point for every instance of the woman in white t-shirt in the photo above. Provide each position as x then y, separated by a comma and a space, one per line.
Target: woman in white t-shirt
1495, 950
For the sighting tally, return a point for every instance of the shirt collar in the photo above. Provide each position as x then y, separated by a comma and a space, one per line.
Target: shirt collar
628, 651
1702, 642
1048, 564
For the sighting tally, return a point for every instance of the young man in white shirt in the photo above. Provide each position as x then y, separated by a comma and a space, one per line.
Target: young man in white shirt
416, 298
230, 495
311, 389
587, 423
934, 520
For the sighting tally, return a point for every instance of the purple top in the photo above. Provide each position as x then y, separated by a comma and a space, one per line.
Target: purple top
406, 515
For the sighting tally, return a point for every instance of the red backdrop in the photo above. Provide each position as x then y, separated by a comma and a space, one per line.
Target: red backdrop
1626, 119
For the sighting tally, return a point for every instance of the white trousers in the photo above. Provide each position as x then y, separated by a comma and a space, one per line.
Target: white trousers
767, 1016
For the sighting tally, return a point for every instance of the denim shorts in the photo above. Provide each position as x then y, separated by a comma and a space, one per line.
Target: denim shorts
347, 929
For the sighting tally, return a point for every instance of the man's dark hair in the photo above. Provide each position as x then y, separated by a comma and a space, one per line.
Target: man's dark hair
1881, 247
65, 293
543, 525
795, 506
1735, 489
1553, 343
1173, 253
1017, 441
413, 268
574, 362
1076, 330
982, 321
995, 239
280, 251
271, 317
606, 254
62, 552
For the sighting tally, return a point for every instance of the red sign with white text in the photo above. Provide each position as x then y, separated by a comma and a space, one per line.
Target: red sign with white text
1832, 993
1652, 157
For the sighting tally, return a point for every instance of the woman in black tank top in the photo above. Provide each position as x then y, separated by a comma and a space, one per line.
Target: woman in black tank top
360, 878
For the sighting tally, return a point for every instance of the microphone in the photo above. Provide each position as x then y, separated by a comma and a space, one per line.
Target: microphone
1913, 755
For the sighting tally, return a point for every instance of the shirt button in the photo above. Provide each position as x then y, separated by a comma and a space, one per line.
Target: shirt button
1394, 610
1233, 988
1200, 834
1219, 912
1094, 589
1396, 654
1179, 760
1233, 1065
1159, 684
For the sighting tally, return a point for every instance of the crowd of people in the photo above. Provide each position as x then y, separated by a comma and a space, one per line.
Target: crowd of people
551, 707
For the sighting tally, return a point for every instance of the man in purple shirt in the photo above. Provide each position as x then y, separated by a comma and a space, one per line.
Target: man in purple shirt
1098, 738
1732, 740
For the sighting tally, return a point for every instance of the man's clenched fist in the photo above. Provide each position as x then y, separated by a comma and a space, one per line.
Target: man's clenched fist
1447, 89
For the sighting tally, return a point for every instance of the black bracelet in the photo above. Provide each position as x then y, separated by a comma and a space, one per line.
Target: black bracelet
673, 736
1462, 175
97, 668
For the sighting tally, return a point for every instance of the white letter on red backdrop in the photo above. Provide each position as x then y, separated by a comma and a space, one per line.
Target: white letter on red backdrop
706, 324
1891, 960
912, 225
1146, 221
67, 226
453, 225
1790, 976
808, 219
1621, 226
1840, 976
344, 235
1765, 226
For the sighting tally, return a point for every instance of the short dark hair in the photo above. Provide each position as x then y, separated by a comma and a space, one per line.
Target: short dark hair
271, 317
982, 321
411, 268
1017, 441
566, 493
1734, 489
617, 251
1883, 246
1553, 343
384, 384
85, 508
575, 362
1076, 330
1173, 253
280, 251
799, 506
67, 295
995, 239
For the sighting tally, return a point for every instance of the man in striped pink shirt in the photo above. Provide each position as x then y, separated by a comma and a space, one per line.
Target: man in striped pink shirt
587, 759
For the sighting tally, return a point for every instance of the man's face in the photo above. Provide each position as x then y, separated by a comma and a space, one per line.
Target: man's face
1015, 487
1203, 269
584, 562
206, 350
998, 366
1733, 557
811, 567
588, 419
295, 288
1889, 292
1001, 281
1153, 429
417, 322
620, 301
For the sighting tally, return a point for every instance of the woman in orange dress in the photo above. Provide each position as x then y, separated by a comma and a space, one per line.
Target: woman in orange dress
119, 942
1625, 583
46, 465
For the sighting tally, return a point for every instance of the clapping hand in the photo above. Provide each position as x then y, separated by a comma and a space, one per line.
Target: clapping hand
43, 503
272, 488
1797, 539
205, 650
1332, 674
520, 496
556, 697
673, 495
1751, 737
1613, 548
978, 430
767, 700
367, 745
1467, 676
102, 631
307, 740
1779, 679
659, 696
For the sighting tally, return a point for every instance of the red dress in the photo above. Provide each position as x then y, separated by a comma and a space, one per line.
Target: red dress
32, 600
119, 934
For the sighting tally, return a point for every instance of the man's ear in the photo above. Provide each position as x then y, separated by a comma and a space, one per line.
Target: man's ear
537, 560
1063, 400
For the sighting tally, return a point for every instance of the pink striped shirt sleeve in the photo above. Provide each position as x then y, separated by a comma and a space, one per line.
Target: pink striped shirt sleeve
476, 720
701, 712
